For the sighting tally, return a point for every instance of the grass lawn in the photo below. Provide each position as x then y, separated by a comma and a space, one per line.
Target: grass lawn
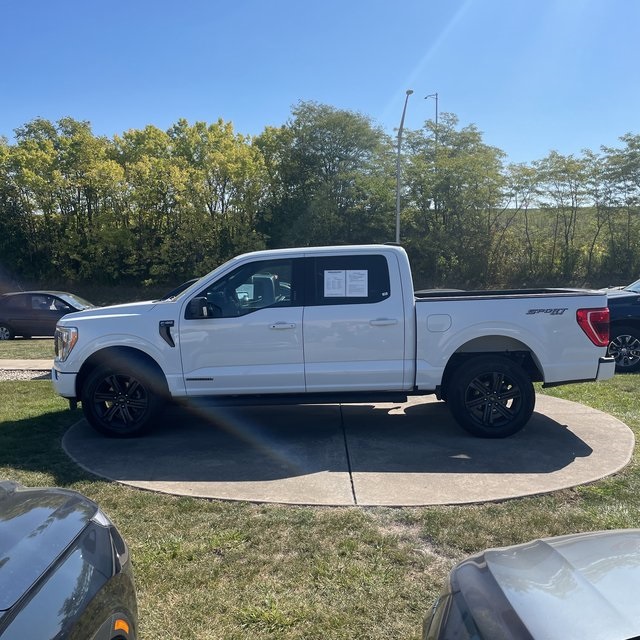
212, 570
20, 348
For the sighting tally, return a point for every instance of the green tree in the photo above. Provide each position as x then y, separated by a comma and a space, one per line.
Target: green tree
563, 195
599, 192
160, 206
34, 175
18, 234
155, 203
455, 214
66, 180
622, 174
330, 178
225, 183
522, 255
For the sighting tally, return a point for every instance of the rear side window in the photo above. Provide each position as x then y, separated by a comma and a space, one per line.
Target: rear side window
16, 302
355, 279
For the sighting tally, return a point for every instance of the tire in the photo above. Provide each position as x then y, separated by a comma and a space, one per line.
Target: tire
122, 404
625, 348
6, 333
491, 397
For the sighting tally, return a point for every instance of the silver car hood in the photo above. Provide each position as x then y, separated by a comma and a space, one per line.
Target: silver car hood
578, 586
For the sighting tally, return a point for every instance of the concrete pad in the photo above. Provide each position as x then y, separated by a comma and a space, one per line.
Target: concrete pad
261, 454
419, 456
31, 364
407, 454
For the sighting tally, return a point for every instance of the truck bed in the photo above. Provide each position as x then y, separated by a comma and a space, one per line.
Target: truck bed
453, 294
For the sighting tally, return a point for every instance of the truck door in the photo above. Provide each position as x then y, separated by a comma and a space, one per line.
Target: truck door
354, 324
243, 333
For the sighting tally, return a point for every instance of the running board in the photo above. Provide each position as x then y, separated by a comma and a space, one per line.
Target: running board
296, 399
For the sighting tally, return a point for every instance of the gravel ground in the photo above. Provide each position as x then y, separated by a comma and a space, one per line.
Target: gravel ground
12, 374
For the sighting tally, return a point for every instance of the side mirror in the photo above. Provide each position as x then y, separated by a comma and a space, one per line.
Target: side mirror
197, 308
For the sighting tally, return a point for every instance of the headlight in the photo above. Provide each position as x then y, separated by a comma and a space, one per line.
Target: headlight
64, 341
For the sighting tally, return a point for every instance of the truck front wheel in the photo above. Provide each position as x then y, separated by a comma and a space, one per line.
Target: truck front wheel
120, 404
491, 397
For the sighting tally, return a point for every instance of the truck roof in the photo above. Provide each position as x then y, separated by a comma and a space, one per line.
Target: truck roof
354, 248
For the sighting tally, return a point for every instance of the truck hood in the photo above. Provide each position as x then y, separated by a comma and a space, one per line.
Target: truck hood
114, 311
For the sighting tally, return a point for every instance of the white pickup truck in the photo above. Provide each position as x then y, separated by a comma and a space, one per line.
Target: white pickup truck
330, 324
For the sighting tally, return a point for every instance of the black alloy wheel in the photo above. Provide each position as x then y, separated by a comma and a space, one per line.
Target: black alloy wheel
491, 397
120, 404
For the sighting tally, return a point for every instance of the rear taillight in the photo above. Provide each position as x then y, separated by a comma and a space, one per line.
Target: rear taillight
595, 323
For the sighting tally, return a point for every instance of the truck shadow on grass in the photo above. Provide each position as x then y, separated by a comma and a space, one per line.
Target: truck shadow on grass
32, 445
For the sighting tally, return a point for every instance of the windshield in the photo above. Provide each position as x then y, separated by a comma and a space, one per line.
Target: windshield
174, 293
634, 287
451, 618
76, 301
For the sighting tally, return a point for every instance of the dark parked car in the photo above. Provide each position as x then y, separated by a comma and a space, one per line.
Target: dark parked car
35, 313
577, 586
624, 331
65, 571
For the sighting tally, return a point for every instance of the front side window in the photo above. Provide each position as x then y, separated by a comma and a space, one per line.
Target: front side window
355, 279
251, 287
42, 302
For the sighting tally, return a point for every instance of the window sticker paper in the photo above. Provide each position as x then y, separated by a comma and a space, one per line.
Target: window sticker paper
335, 283
357, 283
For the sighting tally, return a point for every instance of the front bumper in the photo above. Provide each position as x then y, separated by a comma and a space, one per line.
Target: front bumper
64, 383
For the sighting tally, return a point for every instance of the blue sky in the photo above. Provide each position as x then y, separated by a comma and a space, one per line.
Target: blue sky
532, 75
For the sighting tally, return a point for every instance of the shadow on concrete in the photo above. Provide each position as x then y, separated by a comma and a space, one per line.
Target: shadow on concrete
258, 444
425, 439
409, 454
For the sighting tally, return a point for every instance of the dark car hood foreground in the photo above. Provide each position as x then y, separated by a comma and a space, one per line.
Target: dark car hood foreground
36, 526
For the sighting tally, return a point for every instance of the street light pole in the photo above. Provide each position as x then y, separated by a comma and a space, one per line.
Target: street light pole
435, 95
435, 149
404, 111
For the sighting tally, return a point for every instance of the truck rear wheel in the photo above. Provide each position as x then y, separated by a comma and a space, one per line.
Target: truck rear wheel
491, 397
121, 404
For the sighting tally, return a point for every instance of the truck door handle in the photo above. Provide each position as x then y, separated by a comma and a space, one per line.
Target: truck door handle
283, 325
383, 322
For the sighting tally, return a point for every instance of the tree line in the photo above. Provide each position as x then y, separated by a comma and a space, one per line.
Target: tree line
157, 207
